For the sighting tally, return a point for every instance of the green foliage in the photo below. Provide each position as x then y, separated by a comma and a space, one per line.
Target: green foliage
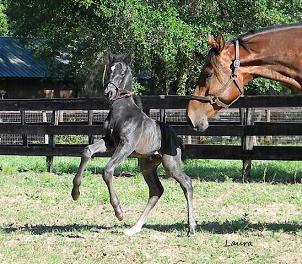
71, 139
3, 18
167, 37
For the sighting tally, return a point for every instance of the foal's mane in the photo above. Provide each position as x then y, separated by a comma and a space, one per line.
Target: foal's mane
137, 99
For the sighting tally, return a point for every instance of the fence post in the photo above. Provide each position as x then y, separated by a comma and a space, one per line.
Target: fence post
23, 122
247, 117
147, 111
90, 121
268, 139
51, 143
44, 120
162, 111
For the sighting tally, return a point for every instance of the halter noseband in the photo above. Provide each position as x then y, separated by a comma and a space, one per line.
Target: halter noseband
121, 93
214, 99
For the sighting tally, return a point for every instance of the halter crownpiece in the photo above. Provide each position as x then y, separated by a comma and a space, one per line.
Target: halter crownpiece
214, 99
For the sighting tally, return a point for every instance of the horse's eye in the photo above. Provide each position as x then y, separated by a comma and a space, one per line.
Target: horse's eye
208, 75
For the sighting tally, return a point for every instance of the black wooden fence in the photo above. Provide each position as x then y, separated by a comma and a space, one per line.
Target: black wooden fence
244, 129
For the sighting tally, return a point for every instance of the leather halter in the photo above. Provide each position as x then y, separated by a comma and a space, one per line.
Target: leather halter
121, 93
214, 99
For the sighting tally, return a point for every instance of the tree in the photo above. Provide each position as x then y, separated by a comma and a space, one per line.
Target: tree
3, 18
167, 37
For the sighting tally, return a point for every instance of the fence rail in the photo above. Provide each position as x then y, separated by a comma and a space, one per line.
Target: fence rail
149, 102
245, 129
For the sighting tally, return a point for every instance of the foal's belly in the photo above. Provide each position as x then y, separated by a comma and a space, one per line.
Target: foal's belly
149, 142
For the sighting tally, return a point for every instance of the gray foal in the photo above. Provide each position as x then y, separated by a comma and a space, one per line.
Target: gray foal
131, 132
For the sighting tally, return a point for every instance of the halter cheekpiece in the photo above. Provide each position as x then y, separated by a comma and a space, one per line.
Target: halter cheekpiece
214, 99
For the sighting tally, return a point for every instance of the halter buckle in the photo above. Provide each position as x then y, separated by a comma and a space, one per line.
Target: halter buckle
236, 63
213, 100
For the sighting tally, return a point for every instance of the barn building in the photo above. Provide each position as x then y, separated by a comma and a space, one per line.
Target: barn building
24, 76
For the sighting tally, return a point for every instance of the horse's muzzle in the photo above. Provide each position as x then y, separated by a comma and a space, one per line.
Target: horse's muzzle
198, 125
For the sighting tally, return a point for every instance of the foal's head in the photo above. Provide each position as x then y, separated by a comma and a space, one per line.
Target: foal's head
120, 76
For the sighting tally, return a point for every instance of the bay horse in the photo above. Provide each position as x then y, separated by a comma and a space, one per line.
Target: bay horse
273, 53
131, 132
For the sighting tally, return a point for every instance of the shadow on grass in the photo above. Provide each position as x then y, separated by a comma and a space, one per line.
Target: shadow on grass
226, 227
259, 173
60, 230
272, 172
219, 171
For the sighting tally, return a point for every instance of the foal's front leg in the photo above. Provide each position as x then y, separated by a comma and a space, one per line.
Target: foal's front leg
99, 146
122, 151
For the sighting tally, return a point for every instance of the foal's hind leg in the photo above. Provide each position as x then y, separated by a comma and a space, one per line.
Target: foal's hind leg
172, 165
148, 168
99, 146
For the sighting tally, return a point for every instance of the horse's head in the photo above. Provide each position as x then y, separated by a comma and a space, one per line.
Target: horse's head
219, 83
120, 76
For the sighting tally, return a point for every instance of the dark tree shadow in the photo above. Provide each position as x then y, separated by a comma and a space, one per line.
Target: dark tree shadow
262, 172
273, 173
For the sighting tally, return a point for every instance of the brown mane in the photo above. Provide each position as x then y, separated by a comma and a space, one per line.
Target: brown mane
212, 56
245, 37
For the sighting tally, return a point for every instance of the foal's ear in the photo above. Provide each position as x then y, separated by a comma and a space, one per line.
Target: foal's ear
110, 58
216, 43
128, 58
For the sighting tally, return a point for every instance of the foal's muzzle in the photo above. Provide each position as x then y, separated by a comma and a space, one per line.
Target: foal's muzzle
111, 91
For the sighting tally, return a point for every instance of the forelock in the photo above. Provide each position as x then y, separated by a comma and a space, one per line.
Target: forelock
215, 63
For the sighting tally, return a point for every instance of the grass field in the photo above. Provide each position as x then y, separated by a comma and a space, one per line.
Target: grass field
256, 222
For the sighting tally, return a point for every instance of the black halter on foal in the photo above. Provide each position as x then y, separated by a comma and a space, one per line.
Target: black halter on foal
214, 99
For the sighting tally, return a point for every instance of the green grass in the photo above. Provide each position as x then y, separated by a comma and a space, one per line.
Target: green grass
209, 170
40, 223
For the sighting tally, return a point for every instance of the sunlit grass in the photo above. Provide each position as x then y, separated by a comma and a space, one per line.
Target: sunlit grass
40, 223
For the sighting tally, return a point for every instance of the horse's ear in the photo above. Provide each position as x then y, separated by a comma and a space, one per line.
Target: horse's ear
220, 41
128, 58
216, 43
211, 41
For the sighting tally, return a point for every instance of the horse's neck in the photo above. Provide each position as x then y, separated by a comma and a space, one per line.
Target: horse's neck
122, 106
276, 56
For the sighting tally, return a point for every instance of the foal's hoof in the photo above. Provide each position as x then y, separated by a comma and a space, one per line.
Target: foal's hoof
132, 231
119, 215
75, 194
191, 231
